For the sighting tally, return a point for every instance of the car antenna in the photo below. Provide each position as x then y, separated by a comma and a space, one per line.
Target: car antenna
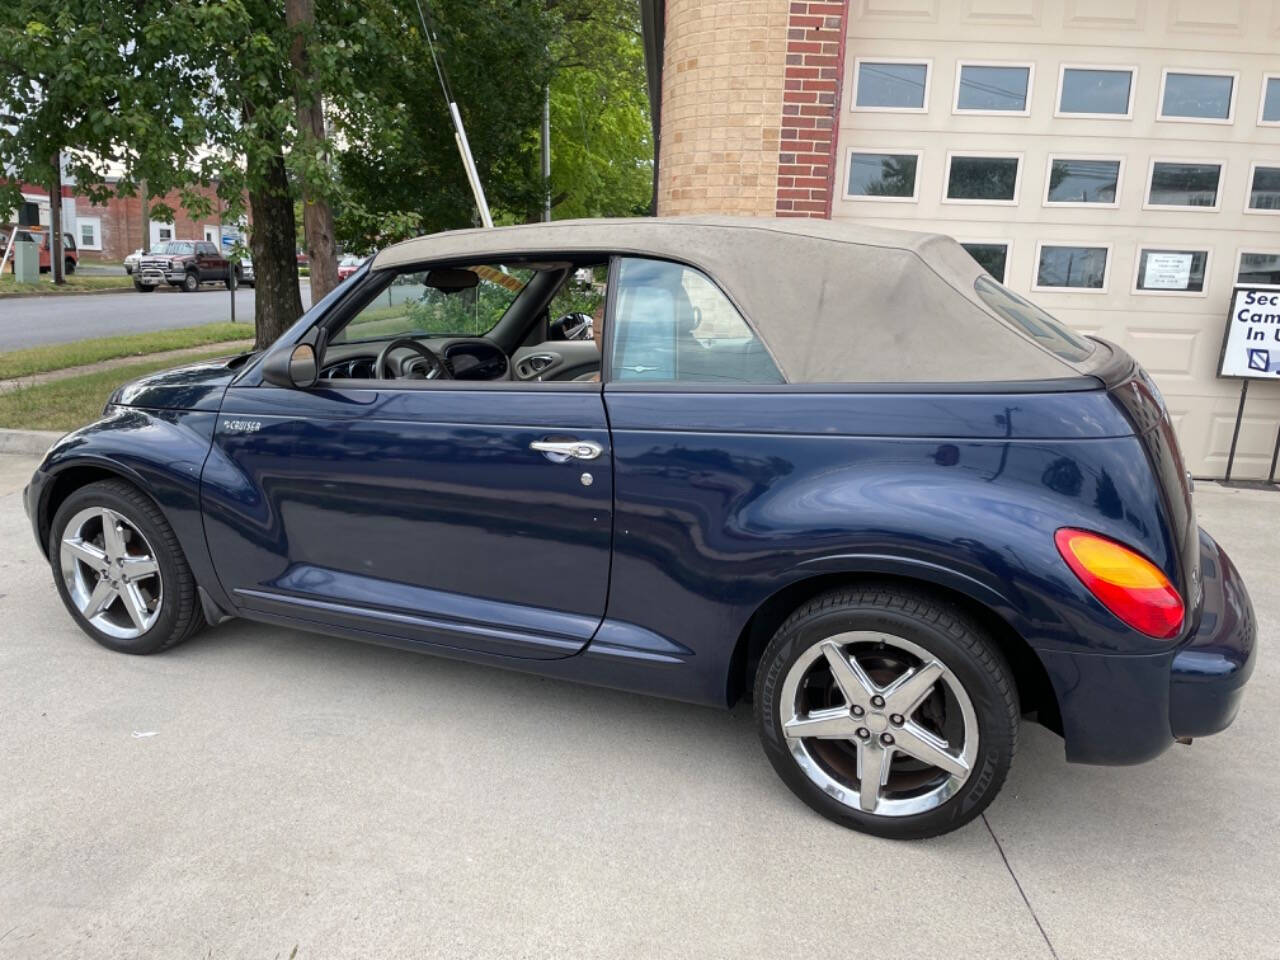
460, 133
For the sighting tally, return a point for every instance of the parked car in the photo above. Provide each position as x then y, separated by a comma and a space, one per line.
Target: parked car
184, 264
837, 469
131, 261
347, 265
42, 239
247, 278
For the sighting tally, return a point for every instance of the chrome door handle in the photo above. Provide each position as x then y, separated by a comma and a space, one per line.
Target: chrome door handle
560, 451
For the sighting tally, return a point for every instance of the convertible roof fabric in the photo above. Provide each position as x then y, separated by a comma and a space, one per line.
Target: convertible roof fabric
834, 301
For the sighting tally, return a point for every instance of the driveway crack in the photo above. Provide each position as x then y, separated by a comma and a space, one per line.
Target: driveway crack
1022, 893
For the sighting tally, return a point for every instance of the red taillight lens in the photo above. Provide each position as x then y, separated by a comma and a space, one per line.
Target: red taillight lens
1127, 584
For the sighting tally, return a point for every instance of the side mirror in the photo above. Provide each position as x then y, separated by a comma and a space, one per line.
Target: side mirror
298, 368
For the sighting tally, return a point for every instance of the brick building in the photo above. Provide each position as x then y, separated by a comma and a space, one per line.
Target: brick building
111, 231
1118, 161
114, 230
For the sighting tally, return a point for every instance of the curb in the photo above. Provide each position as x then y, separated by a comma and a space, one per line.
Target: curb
29, 443
69, 293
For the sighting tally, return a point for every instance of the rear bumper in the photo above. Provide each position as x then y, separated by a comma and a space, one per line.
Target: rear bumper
1119, 709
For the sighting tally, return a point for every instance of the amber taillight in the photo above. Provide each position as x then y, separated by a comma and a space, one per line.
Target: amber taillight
1125, 582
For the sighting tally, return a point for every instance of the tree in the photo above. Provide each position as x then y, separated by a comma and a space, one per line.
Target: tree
601, 135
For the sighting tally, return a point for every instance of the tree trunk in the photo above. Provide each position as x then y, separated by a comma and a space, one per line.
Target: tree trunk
56, 254
145, 209
276, 301
317, 215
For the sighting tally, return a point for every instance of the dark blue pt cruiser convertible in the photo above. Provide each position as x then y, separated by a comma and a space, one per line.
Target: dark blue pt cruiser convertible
838, 470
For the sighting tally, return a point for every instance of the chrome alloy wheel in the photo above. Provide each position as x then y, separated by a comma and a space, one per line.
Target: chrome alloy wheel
111, 573
879, 723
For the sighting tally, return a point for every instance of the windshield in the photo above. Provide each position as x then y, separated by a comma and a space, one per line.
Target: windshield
1052, 334
179, 248
439, 303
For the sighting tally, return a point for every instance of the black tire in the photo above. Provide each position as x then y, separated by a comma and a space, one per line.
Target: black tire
948, 634
191, 282
237, 278
180, 614
128, 269
142, 287
69, 267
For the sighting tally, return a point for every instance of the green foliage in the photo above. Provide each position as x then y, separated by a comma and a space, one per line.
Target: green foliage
601, 134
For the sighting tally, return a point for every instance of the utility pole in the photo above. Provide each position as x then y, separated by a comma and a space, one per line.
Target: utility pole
56, 254
146, 217
317, 215
546, 153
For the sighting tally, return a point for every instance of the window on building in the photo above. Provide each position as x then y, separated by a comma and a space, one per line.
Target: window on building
992, 256
1269, 109
671, 323
993, 87
882, 176
1083, 181
985, 179
1264, 188
1175, 184
1171, 271
1096, 92
90, 232
1063, 267
1207, 97
891, 85
1258, 269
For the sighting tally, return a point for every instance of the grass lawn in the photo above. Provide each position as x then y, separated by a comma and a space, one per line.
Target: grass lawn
23, 363
67, 404
76, 283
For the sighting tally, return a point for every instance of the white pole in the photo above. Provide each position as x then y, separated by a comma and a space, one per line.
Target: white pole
469, 163
8, 249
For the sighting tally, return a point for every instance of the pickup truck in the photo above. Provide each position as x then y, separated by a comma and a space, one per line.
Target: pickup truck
184, 264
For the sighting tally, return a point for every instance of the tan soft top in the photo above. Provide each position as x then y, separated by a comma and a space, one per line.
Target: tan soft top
833, 300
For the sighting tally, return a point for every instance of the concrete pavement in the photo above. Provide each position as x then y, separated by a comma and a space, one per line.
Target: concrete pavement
32, 321
259, 789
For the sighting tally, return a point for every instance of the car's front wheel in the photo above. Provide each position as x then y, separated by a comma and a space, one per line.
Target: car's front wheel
887, 710
120, 571
191, 282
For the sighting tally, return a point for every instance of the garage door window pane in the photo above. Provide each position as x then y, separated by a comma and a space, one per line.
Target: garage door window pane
1095, 91
1259, 269
1184, 184
983, 178
1084, 268
1178, 271
1197, 95
993, 88
1264, 191
992, 257
882, 174
1083, 181
892, 85
671, 323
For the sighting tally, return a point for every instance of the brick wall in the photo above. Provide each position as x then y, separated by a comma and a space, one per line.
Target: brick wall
810, 105
122, 226
722, 93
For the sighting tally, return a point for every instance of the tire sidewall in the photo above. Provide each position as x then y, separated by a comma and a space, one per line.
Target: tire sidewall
97, 495
191, 282
996, 734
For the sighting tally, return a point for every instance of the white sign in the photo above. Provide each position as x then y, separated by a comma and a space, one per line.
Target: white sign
1167, 271
1251, 347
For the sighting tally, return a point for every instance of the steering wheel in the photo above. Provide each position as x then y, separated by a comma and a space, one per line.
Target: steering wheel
437, 369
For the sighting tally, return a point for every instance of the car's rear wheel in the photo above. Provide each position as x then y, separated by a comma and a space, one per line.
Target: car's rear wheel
120, 571
229, 279
887, 710
191, 282
69, 267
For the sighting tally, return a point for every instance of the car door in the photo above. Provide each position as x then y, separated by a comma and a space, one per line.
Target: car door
208, 263
476, 516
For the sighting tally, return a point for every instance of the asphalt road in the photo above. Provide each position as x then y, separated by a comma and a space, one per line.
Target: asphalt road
32, 321
260, 789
